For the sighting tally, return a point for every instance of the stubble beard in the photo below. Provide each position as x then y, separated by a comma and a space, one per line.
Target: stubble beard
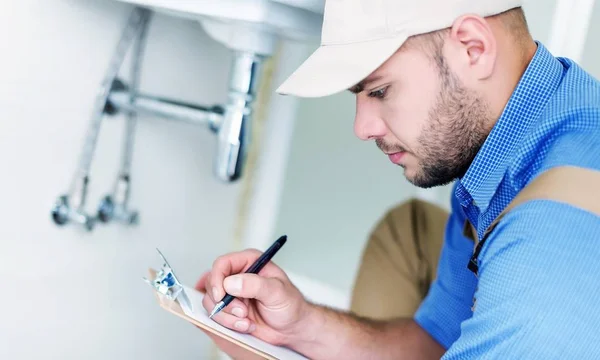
453, 135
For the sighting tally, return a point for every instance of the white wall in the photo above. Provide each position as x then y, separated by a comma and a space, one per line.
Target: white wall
71, 295
590, 59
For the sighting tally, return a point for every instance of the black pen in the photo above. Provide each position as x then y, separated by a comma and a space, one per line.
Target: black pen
254, 269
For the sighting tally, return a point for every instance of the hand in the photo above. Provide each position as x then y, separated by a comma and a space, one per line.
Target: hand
267, 304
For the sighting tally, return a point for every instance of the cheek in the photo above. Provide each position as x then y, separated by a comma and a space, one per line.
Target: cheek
406, 117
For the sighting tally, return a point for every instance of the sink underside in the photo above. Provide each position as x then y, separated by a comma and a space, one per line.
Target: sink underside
295, 19
315, 6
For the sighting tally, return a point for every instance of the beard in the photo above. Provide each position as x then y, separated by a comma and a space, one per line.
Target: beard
454, 133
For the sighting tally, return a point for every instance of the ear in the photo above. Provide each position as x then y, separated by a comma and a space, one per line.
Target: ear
476, 44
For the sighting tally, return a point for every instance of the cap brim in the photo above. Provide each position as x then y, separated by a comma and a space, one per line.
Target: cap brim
335, 68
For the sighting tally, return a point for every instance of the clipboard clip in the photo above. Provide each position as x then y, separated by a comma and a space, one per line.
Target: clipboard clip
166, 283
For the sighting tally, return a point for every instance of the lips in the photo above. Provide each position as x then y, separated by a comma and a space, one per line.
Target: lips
396, 157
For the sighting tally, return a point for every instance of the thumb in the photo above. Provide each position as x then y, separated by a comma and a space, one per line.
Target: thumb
269, 291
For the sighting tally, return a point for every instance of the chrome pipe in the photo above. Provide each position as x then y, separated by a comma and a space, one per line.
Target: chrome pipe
120, 100
230, 121
70, 207
115, 206
233, 135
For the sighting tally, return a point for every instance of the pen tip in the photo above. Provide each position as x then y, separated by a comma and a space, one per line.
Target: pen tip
216, 309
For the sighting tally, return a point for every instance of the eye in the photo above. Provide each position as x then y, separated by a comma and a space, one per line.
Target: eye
379, 93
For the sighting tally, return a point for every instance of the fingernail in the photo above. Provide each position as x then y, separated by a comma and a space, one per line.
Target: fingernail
237, 312
241, 325
215, 293
252, 328
233, 284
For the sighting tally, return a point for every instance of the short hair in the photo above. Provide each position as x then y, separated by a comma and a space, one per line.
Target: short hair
514, 21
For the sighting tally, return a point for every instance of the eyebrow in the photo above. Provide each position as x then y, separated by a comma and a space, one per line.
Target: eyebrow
361, 85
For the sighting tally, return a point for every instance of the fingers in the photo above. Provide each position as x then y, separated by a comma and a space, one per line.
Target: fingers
234, 316
201, 283
235, 263
269, 291
204, 285
236, 307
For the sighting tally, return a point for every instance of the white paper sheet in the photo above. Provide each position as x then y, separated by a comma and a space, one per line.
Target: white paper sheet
201, 315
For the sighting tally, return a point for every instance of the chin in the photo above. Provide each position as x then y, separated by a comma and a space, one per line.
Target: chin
417, 179
411, 176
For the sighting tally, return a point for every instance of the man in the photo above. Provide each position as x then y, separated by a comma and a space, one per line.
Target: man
451, 90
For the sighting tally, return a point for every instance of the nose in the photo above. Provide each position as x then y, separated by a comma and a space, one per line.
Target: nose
368, 125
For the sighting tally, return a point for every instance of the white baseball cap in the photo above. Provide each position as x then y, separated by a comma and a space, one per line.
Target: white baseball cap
358, 36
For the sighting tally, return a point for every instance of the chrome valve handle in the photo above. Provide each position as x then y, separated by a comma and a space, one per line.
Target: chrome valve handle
114, 207
63, 213
70, 207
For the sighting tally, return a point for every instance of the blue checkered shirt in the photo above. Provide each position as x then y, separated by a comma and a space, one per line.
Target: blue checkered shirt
538, 290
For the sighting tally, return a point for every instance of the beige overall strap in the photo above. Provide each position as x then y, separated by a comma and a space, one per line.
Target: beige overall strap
575, 186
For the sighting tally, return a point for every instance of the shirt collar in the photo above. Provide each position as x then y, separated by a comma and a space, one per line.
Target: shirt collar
538, 83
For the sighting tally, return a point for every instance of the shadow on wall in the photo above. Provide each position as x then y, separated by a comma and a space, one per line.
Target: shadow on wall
336, 188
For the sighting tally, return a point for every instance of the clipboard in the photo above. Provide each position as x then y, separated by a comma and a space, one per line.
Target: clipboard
186, 303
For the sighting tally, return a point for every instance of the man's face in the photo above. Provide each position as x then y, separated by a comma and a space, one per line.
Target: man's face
420, 114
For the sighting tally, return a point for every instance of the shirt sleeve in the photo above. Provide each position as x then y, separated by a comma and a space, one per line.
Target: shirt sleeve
539, 287
450, 296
